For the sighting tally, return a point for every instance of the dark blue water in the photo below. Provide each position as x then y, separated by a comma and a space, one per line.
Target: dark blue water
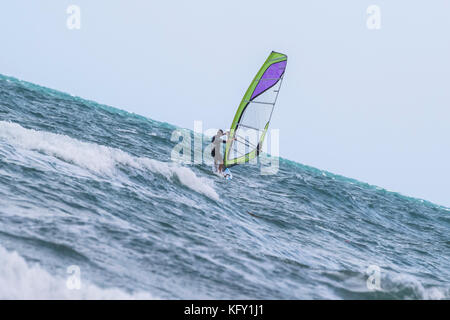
86, 185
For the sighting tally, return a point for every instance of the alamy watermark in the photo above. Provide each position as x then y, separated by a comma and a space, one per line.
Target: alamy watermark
373, 281
74, 19
74, 280
195, 147
373, 21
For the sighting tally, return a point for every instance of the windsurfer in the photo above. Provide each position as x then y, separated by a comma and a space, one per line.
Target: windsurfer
215, 152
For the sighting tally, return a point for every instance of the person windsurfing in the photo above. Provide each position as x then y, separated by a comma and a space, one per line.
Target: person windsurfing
216, 148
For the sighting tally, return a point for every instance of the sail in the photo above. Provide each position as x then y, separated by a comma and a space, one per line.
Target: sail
252, 118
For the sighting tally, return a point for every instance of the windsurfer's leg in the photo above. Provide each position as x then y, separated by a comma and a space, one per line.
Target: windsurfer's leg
220, 163
218, 160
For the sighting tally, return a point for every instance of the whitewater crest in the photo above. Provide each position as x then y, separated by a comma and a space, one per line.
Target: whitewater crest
21, 281
98, 158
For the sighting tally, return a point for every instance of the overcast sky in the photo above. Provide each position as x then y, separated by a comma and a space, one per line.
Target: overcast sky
373, 105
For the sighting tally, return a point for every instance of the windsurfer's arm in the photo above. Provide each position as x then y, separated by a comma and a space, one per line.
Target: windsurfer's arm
228, 135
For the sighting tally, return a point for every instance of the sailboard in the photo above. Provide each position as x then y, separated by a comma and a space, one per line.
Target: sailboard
226, 174
251, 122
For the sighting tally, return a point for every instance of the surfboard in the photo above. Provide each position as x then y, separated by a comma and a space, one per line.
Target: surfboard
226, 174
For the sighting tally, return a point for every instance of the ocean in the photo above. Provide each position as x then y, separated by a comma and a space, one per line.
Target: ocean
92, 207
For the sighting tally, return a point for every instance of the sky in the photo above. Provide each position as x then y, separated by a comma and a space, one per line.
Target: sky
369, 104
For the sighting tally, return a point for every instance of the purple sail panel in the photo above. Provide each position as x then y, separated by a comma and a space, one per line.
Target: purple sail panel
269, 78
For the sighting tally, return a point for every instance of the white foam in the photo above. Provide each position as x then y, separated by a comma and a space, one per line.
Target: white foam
19, 280
98, 158
397, 282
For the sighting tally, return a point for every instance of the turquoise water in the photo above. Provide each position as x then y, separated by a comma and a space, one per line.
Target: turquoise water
87, 185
